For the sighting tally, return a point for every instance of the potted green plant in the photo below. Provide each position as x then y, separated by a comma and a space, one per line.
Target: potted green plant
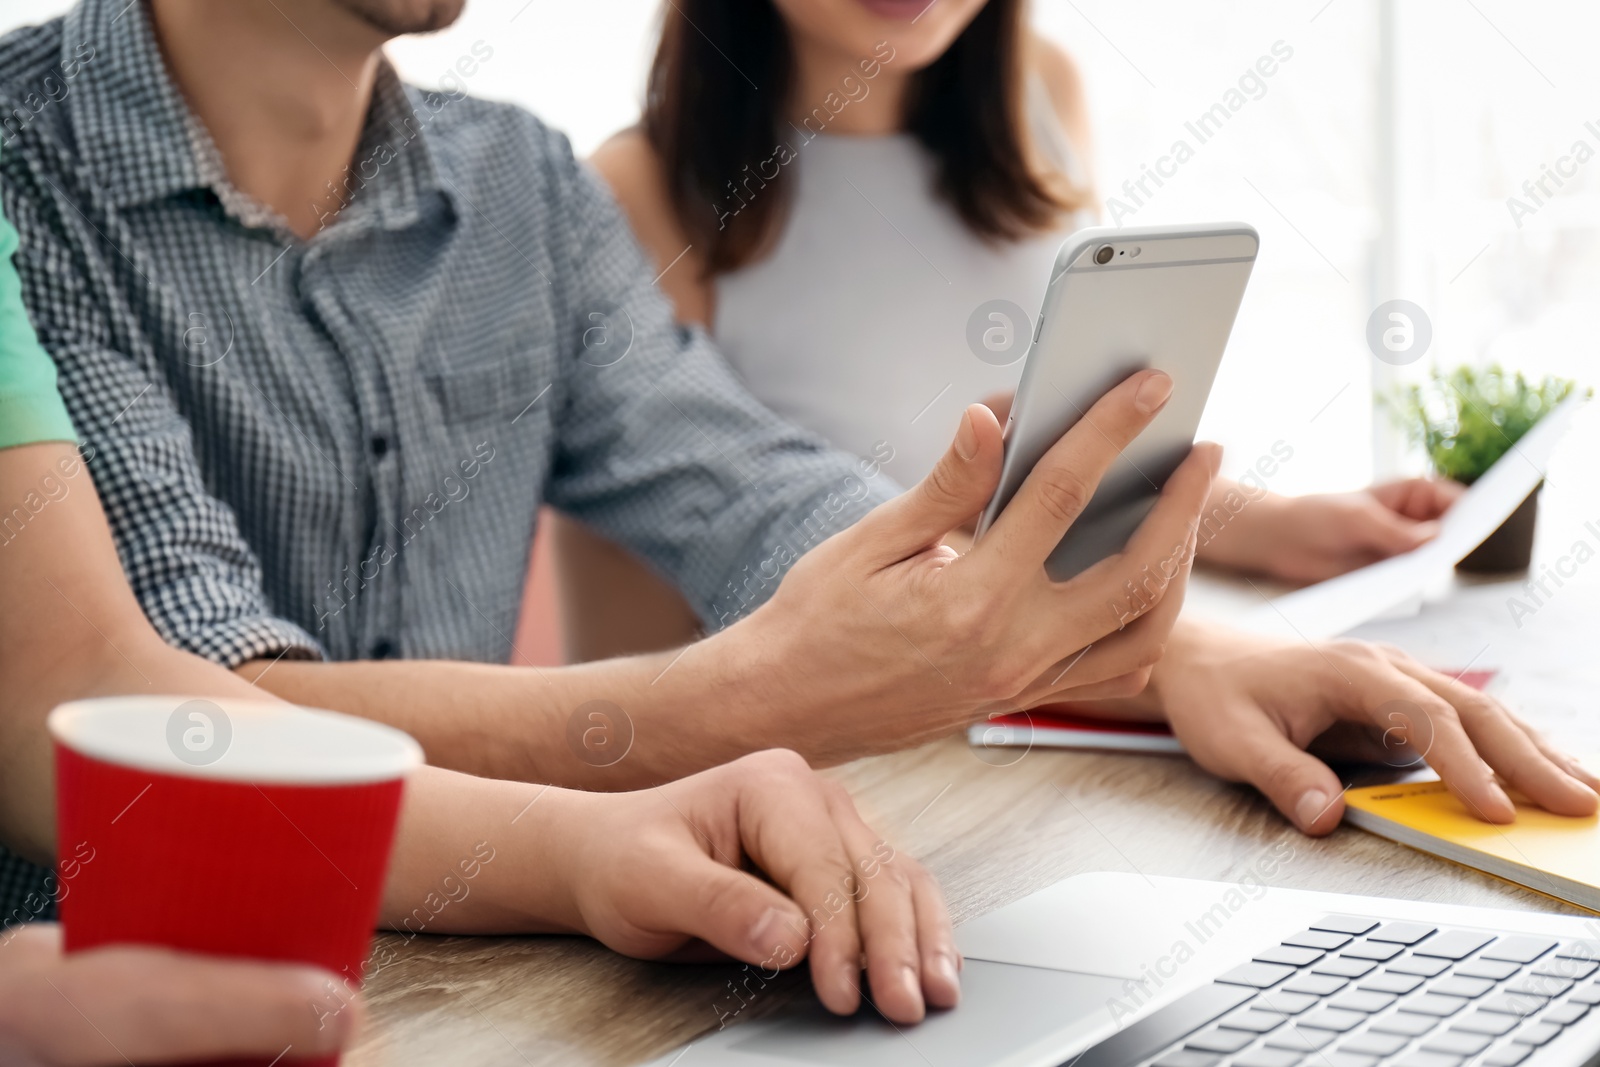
1465, 420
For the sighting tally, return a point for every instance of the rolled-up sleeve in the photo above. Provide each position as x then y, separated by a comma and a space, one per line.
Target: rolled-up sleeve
661, 448
195, 576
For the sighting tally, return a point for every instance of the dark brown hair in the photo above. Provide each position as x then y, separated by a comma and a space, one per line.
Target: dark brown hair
715, 122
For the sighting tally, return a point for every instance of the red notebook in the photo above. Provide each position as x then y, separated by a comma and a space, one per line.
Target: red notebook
1063, 727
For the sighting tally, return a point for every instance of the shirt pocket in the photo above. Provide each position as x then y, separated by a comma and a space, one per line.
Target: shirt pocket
495, 384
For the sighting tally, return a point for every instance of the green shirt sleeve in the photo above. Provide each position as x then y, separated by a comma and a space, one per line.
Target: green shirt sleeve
31, 410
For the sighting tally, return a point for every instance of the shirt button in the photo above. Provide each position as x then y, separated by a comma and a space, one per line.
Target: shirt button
383, 648
379, 445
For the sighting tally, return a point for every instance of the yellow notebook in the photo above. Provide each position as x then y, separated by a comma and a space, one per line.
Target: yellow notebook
1553, 854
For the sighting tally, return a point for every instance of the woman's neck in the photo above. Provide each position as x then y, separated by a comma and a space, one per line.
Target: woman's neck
838, 93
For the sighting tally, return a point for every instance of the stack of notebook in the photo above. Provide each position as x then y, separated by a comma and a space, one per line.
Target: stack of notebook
1553, 854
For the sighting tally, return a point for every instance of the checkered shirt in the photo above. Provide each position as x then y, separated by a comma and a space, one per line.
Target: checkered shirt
338, 446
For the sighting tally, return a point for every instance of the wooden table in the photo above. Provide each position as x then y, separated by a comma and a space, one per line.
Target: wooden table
992, 834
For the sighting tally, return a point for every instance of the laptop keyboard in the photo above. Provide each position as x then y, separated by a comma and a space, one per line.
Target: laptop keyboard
1353, 991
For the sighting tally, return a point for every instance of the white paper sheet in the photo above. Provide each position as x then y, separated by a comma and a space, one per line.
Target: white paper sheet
1333, 607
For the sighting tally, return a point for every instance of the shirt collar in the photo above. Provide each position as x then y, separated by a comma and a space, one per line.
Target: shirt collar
141, 142
135, 134
395, 166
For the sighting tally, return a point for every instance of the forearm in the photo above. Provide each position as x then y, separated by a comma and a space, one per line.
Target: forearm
27, 780
71, 629
114, 660
1236, 527
475, 856
615, 724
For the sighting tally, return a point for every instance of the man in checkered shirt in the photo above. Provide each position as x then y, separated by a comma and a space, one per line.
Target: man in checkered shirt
334, 340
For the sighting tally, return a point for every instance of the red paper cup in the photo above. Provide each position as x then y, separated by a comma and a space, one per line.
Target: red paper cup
226, 827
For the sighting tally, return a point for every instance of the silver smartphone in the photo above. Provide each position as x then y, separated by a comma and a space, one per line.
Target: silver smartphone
1122, 300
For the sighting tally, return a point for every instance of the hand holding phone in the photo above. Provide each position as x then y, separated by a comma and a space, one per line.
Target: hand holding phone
1121, 301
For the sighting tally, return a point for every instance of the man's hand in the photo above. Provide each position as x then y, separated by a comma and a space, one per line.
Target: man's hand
1246, 707
654, 872
879, 638
1312, 538
884, 636
146, 1005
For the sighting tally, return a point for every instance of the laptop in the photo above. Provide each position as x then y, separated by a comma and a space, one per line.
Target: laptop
1121, 970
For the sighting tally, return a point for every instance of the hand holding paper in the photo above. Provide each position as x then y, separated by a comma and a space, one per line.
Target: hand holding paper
1340, 604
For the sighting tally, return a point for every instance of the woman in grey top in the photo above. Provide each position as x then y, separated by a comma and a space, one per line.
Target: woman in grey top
900, 165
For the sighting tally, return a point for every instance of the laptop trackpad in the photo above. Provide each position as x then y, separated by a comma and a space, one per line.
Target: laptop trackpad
1004, 1008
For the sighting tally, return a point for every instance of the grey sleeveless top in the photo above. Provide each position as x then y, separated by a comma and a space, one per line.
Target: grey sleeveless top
859, 322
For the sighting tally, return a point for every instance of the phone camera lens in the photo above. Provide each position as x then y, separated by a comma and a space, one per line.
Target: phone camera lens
1103, 255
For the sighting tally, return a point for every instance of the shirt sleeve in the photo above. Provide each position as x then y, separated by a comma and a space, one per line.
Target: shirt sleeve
30, 408
661, 448
195, 576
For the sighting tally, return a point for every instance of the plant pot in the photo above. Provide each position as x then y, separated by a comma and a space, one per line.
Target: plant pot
1510, 548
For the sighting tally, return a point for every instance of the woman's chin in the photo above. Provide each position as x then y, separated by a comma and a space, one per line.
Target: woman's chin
919, 30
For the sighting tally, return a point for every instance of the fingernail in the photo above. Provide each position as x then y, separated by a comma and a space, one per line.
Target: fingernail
1310, 807
850, 975
911, 982
1500, 795
944, 969
766, 935
966, 437
1577, 770
1153, 392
